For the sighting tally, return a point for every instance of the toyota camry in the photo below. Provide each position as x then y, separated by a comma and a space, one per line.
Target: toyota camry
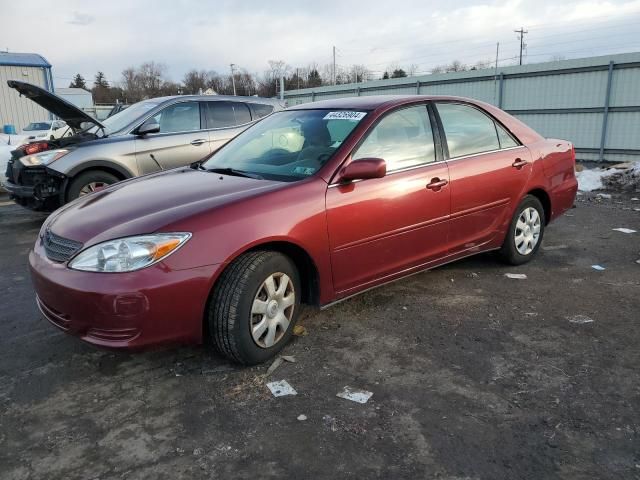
311, 205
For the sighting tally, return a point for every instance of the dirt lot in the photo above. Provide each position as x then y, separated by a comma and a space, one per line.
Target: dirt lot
474, 376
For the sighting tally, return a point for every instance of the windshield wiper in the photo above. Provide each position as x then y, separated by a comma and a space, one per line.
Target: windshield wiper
234, 172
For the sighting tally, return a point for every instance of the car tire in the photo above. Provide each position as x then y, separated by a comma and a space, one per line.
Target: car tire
82, 183
525, 232
234, 317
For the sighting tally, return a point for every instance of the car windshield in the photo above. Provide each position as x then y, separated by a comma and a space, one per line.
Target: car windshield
124, 117
287, 146
37, 126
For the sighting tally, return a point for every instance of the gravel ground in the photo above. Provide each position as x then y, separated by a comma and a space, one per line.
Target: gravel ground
474, 376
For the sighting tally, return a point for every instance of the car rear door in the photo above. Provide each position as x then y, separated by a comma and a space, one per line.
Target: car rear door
225, 120
488, 171
384, 226
181, 139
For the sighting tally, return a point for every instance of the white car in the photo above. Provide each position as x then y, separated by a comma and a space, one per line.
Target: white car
47, 130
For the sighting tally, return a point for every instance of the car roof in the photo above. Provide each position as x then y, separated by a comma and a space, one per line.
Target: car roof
214, 98
372, 102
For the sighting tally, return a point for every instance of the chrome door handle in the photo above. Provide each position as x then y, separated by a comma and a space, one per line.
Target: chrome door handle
436, 184
519, 163
198, 142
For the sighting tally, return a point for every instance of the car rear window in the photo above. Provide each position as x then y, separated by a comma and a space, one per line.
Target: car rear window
227, 114
242, 113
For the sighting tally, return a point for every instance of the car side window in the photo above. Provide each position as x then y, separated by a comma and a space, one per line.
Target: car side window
506, 140
179, 117
467, 129
261, 110
402, 139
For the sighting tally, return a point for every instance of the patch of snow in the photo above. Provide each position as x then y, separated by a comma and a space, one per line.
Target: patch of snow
5, 155
590, 180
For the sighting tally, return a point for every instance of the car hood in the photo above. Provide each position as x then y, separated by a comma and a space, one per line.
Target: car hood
54, 104
149, 204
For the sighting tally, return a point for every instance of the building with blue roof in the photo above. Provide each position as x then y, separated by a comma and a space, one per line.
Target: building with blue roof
26, 67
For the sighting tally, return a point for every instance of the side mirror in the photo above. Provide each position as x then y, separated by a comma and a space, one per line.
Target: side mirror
364, 168
150, 126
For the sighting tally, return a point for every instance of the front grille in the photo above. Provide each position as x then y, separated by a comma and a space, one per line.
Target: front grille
59, 249
30, 176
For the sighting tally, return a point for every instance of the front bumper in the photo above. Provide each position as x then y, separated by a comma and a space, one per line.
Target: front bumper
132, 310
38, 187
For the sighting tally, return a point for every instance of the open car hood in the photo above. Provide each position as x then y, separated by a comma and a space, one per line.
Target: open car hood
54, 104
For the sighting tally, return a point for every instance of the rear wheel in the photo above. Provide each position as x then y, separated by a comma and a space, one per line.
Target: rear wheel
525, 232
89, 182
254, 307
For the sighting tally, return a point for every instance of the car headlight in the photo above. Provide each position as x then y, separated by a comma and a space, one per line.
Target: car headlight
43, 158
128, 254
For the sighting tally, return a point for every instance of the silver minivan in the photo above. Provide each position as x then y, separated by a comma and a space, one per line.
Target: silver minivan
151, 135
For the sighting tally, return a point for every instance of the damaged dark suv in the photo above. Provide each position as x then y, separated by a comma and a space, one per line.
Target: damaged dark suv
152, 135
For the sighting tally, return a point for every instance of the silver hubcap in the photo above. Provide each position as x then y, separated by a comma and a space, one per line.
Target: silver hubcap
92, 187
272, 310
527, 231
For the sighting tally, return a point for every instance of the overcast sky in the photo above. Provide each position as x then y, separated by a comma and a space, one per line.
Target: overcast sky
82, 36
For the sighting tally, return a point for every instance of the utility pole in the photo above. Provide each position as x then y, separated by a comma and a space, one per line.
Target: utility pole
233, 79
298, 78
334, 65
495, 73
522, 31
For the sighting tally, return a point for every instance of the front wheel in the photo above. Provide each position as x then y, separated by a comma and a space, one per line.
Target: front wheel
525, 232
89, 182
254, 307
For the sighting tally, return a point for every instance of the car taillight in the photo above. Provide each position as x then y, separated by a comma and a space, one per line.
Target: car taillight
35, 147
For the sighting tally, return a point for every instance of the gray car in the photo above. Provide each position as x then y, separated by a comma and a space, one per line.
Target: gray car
152, 135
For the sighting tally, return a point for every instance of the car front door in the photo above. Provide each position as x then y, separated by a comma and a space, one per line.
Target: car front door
180, 141
488, 171
385, 226
225, 120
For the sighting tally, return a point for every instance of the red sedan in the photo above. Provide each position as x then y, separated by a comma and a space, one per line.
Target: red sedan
311, 205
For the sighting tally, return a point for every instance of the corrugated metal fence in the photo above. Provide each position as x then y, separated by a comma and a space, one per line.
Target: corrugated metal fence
593, 102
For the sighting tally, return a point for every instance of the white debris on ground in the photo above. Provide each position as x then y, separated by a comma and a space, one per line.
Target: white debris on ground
621, 176
600, 268
580, 319
5, 155
516, 276
281, 388
359, 396
551, 248
624, 230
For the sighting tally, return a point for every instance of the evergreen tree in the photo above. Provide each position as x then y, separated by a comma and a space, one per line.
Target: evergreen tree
78, 82
100, 81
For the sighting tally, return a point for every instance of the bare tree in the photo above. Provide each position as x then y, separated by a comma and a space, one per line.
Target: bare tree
359, 74
195, 81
